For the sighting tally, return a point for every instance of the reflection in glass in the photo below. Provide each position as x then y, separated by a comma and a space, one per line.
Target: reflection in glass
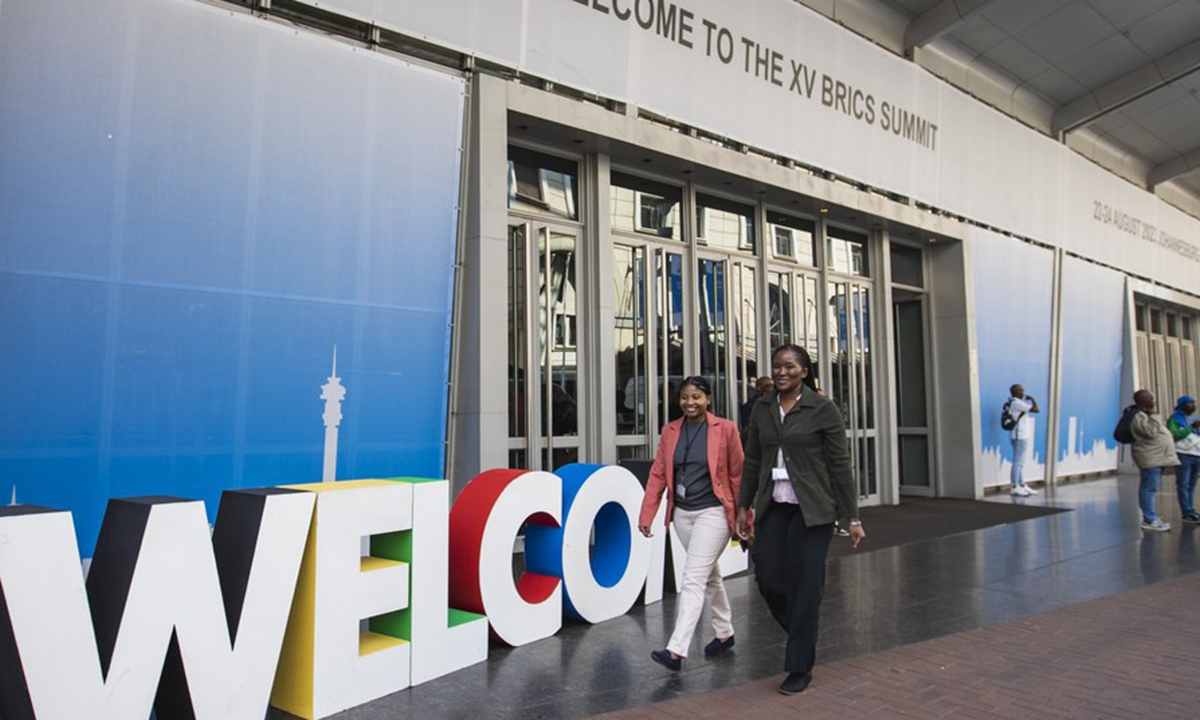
807, 336
864, 357
795, 238
792, 307
779, 305
847, 252
633, 452
557, 327
745, 334
839, 349
629, 326
517, 337
669, 280
784, 243
868, 481
711, 329
852, 374
724, 224
559, 456
542, 183
644, 206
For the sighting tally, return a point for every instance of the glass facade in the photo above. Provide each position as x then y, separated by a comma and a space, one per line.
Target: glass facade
724, 224
543, 184
545, 418
645, 207
795, 238
630, 339
846, 252
704, 299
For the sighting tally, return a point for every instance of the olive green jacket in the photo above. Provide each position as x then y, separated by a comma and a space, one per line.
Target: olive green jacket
815, 453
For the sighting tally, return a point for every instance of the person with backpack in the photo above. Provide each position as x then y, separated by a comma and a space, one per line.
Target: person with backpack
1015, 418
1185, 428
1153, 450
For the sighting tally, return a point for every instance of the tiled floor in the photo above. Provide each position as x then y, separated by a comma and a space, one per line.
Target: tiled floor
985, 584
1129, 656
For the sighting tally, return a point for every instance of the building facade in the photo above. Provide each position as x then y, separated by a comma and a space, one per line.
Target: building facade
519, 225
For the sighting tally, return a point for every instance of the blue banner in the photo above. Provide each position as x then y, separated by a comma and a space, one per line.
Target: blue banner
197, 209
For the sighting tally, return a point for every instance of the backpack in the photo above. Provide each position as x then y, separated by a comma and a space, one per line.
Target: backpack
1007, 421
1123, 432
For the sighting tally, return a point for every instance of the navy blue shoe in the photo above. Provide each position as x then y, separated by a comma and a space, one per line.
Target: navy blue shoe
664, 658
718, 646
795, 683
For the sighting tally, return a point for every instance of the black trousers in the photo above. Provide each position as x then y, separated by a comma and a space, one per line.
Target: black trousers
789, 565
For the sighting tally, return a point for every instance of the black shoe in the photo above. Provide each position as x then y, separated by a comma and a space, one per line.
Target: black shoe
795, 683
664, 658
718, 646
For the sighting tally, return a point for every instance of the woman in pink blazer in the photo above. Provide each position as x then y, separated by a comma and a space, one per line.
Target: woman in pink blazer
699, 465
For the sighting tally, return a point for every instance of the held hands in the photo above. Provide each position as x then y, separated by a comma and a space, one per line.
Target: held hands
745, 525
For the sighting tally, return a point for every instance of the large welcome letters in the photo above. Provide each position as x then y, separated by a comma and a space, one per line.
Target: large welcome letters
444, 639
601, 556
314, 598
484, 523
328, 664
155, 600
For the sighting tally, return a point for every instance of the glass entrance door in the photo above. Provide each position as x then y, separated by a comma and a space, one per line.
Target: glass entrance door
648, 341
908, 314
544, 417
713, 333
792, 305
852, 376
743, 311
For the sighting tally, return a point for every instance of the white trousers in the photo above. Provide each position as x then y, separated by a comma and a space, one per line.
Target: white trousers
705, 535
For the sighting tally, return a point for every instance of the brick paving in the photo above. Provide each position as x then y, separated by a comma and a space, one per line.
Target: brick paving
1126, 656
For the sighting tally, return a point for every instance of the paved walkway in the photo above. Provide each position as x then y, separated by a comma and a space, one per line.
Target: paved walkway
1124, 656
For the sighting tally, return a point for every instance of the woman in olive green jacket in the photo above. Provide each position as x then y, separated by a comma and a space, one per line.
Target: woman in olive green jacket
796, 482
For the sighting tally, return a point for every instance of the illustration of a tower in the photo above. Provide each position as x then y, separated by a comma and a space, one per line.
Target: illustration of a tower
332, 393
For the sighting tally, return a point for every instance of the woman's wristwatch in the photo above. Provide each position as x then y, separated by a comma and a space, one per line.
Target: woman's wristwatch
855, 523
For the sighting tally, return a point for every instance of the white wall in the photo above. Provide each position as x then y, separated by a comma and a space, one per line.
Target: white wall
980, 164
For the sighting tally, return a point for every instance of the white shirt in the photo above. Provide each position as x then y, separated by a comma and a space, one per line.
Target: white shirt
782, 492
1024, 427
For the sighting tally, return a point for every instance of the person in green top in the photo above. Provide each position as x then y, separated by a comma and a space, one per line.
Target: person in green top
796, 482
1185, 428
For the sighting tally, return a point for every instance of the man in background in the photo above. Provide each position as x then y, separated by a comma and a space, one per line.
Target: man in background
762, 386
1185, 428
1019, 408
1153, 450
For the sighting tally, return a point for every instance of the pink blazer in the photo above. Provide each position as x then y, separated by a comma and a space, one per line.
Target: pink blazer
724, 465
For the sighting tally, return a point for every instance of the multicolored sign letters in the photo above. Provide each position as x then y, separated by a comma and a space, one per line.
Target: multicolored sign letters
312, 598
